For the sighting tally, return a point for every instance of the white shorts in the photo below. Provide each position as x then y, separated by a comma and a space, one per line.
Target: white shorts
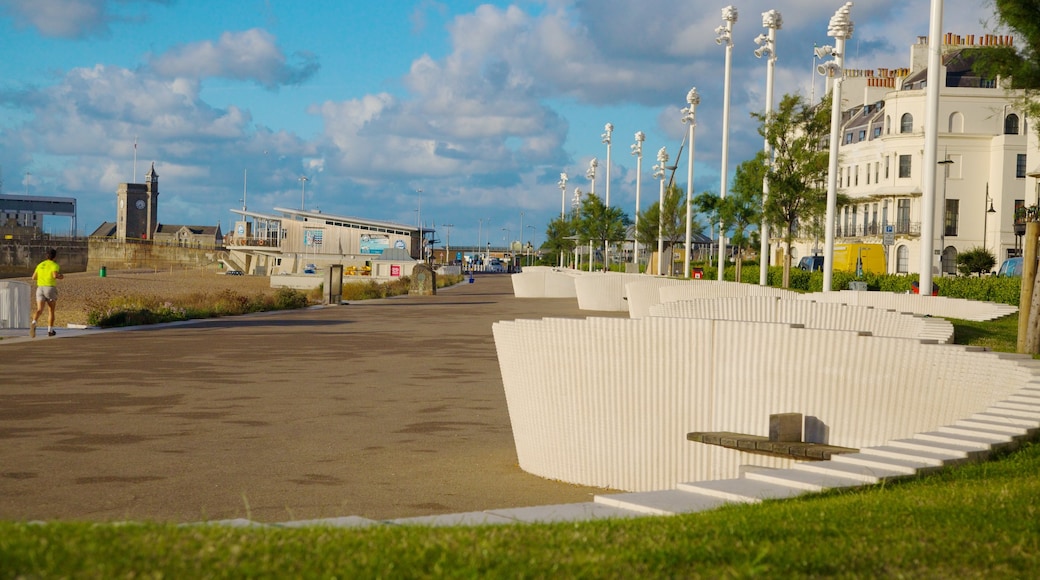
46, 294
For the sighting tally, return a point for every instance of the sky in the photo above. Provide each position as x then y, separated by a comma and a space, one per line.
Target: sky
458, 113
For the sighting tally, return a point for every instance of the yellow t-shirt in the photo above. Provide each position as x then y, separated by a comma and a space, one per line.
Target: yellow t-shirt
46, 271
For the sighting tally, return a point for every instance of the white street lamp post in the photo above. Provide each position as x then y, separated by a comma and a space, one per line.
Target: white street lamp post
608, 131
662, 160
562, 184
772, 21
931, 146
575, 203
690, 117
637, 150
840, 28
725, 36
303, 192
590, 173
447, 244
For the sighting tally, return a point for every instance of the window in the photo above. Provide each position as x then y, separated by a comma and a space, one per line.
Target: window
904, 166
950, 221
863, 135
886, 166
848, 138
888, 125
1011, 124
1020, 166
902, 260
855, 173
877, 131
877, 166
903, 216
906, 123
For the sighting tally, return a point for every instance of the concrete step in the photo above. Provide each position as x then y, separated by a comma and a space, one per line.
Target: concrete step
991, 426
1026, 396
740, 490
956, 450
806, 480
977, 440
935, 457
861, 473
1033, 409
999, 416
568, 512
1014, 410
899, 465
661, 503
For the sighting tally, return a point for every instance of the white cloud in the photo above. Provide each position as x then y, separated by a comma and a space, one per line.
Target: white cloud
68, 18
253, 55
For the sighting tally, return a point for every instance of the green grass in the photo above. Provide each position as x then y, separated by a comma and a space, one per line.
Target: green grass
971, 521
136, 310
975, 521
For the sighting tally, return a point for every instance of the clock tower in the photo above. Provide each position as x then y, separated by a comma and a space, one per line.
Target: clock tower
137, 211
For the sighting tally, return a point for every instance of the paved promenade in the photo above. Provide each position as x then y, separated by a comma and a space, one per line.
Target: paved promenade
381, 409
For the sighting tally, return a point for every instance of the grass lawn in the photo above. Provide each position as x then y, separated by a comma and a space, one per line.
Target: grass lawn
971, 521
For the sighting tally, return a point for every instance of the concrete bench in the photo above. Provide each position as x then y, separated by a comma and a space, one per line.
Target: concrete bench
608, 402
604, 291
941, 306
544, 282
811, 315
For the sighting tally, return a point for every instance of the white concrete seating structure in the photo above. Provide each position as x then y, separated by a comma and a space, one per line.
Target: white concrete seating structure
942, 306
608, 402
604, 291
16, 302
645, 294
811, 315
544, 282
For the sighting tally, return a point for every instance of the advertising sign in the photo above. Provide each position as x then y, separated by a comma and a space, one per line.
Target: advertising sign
374, 243
395, 270
312, 237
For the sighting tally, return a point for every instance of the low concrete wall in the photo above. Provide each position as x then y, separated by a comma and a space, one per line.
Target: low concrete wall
119, 255
608, 402
811, 315
15, 304
19, 256
544, 282
917, 304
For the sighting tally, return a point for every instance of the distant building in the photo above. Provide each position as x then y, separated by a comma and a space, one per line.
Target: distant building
137, 218
25, 212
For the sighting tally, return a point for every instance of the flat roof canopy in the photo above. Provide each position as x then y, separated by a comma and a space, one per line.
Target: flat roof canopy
62, 206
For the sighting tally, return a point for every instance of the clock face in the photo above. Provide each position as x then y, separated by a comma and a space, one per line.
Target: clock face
140, 204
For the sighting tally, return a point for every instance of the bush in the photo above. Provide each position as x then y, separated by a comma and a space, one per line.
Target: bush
134, 311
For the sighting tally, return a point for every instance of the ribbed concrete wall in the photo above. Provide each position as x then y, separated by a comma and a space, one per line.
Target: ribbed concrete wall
646, 292
608, 402
941, 306
604, 291
811, 315
16, 302
714, 289
544, 282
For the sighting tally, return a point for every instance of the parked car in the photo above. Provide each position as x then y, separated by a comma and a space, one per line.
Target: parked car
495, 265
234, 273
811, 263
1011, 267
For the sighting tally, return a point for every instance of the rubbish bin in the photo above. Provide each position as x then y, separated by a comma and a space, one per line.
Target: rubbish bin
103, 272
698, 273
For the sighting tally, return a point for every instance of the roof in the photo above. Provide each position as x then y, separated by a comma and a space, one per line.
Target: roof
105, 230
196, 230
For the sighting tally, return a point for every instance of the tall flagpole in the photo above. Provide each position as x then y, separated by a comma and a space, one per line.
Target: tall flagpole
135, 158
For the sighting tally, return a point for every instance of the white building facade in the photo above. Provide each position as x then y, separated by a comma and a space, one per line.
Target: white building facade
981, 177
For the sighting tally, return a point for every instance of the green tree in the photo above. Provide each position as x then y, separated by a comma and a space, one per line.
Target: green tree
673, 228
742, 208
975, 261
598, 223
557, 240
795, 131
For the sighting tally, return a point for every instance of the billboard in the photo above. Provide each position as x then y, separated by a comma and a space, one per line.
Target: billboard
374, 243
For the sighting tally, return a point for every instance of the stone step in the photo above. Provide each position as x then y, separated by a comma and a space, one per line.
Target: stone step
806, 480
661, 503
977, 440
896, 464
568, 512
862, 473
935, 457
1026, 396
956, 450
740, 490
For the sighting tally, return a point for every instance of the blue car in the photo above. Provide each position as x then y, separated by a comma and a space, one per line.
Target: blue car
1011, 267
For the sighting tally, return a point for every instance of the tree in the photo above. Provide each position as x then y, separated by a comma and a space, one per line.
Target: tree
598, 223
742, 208
557, 242
674, 227
795, 132
975, 261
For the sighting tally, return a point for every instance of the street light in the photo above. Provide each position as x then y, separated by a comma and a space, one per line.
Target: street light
303, 192
530, 241
562, 184
985, 217
575, 204
690, 117
839, 28
608, 131
590, 174
725, 36
637, 150
447, 244
772, 21
662, 160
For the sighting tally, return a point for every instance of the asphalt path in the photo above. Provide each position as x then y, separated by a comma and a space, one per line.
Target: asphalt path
381, 409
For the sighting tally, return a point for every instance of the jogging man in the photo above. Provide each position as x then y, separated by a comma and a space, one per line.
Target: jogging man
46, 273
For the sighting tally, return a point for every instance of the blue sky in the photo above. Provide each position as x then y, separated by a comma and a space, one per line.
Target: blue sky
479, 105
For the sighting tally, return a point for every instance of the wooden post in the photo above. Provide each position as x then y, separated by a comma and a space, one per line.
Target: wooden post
1028, 280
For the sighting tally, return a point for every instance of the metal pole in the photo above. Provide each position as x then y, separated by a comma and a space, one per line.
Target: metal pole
725, 32
637, 150
689, 117
772, 21
931, 146
840, 28
662, 160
